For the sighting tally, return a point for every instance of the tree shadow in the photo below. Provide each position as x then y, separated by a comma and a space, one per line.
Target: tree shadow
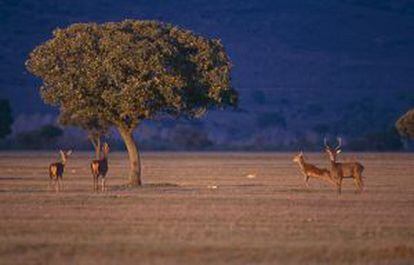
127, 187
17, 178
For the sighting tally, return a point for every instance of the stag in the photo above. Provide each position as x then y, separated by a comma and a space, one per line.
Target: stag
311, 171
57, 169
99, 168
341, 170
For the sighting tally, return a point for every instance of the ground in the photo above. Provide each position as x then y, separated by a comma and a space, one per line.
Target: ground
206, 208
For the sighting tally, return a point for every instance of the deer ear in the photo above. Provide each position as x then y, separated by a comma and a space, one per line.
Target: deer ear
338, 151
69, 152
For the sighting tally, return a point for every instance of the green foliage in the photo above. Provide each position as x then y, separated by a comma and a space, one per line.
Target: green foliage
6, 119
42, 138
95, 127
405, 124
123, 72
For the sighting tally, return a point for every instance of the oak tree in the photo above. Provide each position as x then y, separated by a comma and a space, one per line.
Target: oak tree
95, 127
122, 73
405, 124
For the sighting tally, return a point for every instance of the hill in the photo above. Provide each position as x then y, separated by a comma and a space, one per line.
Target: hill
303, 68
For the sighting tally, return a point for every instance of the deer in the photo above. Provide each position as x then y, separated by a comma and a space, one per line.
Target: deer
341, 170
99, 168
57, 169
311, 171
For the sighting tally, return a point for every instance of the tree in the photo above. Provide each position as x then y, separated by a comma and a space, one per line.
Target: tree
6, 119
405, 124
124, 72
95, 127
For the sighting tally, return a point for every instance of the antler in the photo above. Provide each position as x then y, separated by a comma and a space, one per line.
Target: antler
339, 139
325, 141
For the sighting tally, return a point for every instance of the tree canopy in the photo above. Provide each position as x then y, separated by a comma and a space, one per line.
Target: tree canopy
120, 73
405, 124
96, 128
6, 119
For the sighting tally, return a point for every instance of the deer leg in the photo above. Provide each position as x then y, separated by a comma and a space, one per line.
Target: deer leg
103, 184
97, 184
359, 183
339, 186
95, 179
57, 185
356, 181
63, 183
331, 181
49, 185
306, 181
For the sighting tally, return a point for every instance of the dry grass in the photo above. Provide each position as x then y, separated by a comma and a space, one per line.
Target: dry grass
206, 209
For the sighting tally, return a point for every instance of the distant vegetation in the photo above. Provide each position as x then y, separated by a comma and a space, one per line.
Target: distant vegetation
43, 138
383, 141
401, 7
6, 119
270, 119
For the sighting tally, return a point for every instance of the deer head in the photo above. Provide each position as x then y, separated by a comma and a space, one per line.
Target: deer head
105, 149
64, 155
333, 151
297, 158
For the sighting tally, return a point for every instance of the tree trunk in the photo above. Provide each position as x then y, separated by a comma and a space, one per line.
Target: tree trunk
98, 148
134, 157
96, 142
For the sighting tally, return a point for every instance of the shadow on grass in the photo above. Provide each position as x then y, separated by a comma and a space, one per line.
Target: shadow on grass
249, 185
306, 190
17, 178
127, 187
23, 190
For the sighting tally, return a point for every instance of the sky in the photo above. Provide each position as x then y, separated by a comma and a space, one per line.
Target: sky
343, 63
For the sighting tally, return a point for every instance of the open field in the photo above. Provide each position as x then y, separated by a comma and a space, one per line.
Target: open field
177, 218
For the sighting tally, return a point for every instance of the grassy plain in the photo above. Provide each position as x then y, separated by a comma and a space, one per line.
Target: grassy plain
201, 208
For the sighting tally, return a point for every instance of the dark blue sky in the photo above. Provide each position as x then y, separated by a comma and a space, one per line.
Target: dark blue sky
290, 57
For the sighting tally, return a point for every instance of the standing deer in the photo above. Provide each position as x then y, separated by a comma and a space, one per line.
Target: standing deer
99, 167
312, 171
57, 169
341, 170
